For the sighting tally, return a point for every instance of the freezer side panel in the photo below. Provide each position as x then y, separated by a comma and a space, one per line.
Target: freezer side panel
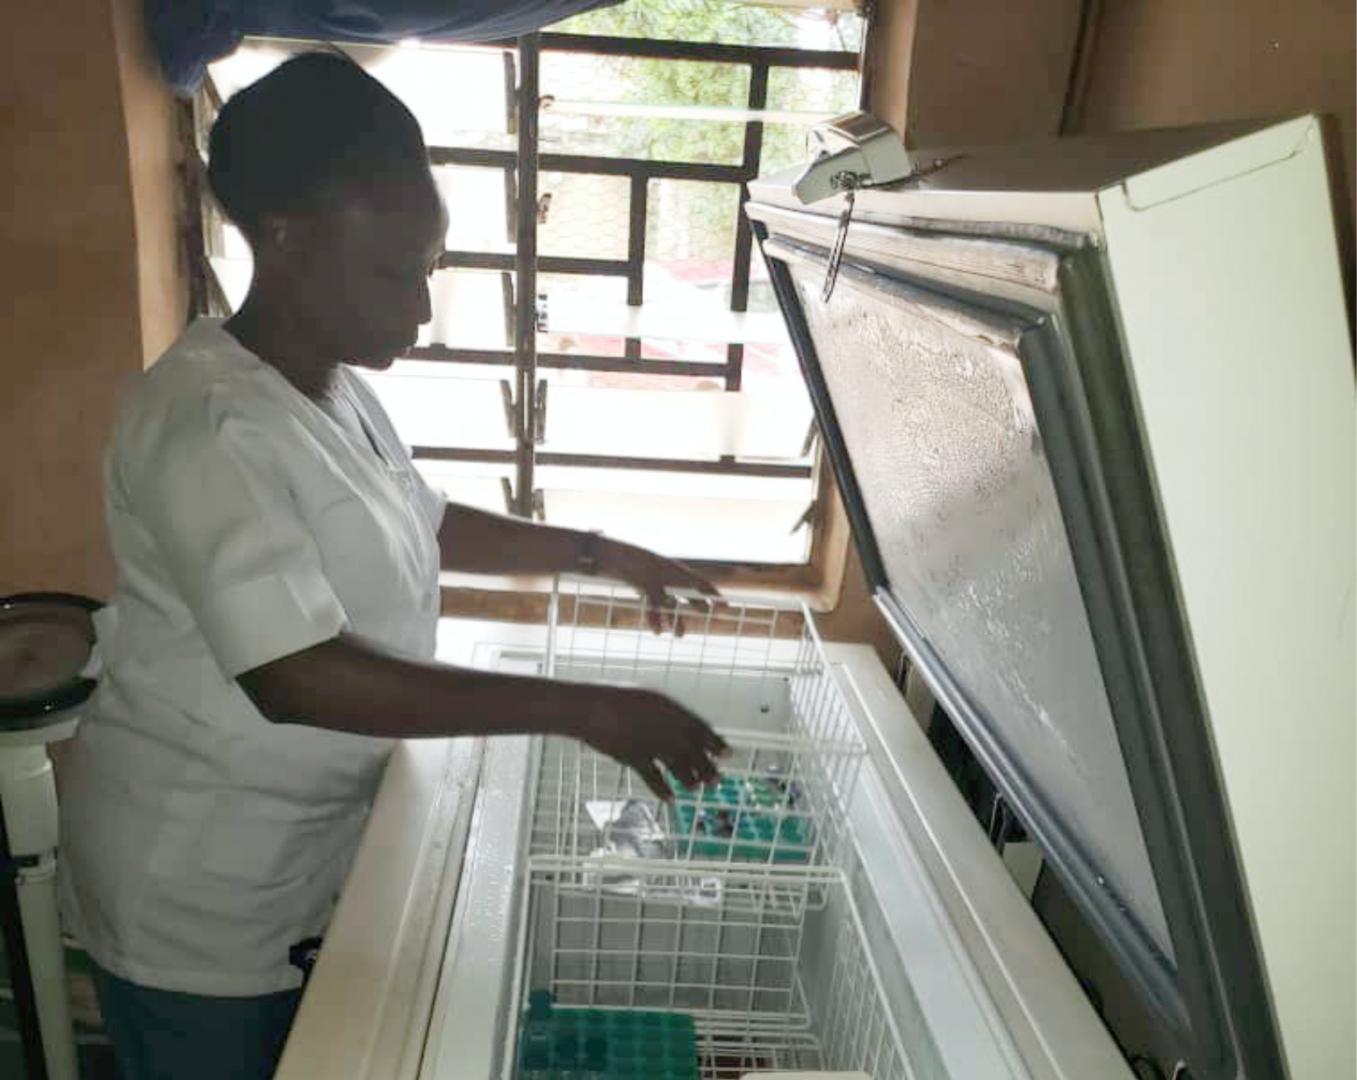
476, 1005
1249, 425
372, 984
995, 990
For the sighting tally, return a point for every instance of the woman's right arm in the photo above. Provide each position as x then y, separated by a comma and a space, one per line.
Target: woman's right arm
210, 482
345, 684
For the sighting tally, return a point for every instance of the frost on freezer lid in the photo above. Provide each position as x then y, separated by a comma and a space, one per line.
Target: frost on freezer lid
974, 558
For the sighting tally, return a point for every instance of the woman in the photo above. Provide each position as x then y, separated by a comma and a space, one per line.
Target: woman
273, 623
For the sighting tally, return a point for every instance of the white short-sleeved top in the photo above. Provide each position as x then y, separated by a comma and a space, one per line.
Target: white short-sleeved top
200, 841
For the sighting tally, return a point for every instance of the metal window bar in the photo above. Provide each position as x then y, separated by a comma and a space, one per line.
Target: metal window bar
739, 286
479, 157
567, 361
660, 49
725, 466
546, 264
525, 321
639, 173
638, 208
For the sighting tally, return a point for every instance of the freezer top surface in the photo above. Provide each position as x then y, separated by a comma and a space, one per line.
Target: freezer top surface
1049, 190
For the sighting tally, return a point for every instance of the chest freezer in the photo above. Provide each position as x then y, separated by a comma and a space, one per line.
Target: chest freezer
1090, 405
865, 924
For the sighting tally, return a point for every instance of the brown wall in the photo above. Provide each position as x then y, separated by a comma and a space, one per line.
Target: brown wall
151, 120
973, 71
73, 330
970, 72
1155, 63
856, 618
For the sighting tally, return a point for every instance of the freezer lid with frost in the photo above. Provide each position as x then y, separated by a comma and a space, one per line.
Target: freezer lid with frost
1035, 376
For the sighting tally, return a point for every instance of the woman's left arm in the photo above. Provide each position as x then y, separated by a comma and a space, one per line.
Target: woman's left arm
478, 542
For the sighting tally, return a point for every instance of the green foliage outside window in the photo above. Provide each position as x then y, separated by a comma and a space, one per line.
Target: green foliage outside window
705, 212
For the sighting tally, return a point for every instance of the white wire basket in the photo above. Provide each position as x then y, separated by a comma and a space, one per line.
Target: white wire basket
851, 1026
619, 943
774, 824
742, 975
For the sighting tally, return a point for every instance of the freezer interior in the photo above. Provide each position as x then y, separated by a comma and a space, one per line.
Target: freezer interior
768, 988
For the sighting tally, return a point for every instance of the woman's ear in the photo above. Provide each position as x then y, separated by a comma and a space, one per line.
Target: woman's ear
274, 233
284, 234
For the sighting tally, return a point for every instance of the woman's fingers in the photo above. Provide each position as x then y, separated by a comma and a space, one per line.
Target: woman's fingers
654, 581
693, 580
690, 772
701, 744
692, 762
654, 780
705, 587
713, 743
664, 611
653, 734
659, 604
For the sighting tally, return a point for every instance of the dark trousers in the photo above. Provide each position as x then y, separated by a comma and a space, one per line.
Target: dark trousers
165, 1035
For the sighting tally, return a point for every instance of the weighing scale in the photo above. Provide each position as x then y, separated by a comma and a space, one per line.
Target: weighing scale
46, 643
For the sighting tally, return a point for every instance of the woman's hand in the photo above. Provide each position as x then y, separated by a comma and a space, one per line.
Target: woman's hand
650, 732
653, 576
345, 684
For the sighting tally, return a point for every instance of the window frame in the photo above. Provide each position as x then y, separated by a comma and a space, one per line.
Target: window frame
820, 577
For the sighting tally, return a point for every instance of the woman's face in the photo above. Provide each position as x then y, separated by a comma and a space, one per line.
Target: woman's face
360, 272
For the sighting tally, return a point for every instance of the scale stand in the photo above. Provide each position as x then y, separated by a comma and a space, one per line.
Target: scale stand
45, 642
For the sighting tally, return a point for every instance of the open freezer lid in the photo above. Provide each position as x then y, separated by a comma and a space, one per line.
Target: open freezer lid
1005, 512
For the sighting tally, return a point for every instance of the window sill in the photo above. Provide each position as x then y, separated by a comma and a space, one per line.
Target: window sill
819, 583
524, 598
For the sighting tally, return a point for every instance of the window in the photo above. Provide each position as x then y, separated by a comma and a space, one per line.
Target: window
655, 395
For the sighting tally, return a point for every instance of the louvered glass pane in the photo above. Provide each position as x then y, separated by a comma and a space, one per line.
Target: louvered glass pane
470, 310
694, 424
585, 308
589, 89
471, 483
582, 215
684, 515
690, 241
478, 208
444, 404
805, 23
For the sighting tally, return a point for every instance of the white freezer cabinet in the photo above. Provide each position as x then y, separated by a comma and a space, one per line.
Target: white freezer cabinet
832, 905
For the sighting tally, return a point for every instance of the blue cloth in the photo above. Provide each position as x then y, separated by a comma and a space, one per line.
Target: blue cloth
163, 1035
190, 34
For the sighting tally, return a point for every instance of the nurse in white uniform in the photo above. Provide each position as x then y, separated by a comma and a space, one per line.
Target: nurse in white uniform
273, 623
